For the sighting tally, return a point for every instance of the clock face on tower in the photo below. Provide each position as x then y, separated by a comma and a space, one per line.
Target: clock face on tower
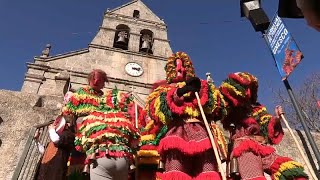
133, 69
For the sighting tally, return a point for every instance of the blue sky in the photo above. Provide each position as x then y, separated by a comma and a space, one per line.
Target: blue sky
210, 31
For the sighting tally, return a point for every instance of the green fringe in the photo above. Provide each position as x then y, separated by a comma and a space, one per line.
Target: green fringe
115, 140
76, 109
164, 108
94, 129
156, 141
291, 173
111, 147
115, 100
264, 131
235, 84
210, 97
100, 127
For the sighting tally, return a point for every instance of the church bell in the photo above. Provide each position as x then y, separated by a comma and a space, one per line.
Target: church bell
122, 37
146, 43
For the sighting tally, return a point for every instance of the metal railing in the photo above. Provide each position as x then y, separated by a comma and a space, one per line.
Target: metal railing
30, 158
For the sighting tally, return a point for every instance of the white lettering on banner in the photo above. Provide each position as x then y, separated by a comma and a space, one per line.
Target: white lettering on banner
276, 36
276, 23
280, 40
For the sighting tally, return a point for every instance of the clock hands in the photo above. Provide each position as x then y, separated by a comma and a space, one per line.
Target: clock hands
136, 68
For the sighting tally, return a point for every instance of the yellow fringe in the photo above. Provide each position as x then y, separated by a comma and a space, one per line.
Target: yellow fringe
158, 113
233, 88
265, 119
148, 153
149, 125
148, 160
148, 137
191, 112
286, 166
261, 110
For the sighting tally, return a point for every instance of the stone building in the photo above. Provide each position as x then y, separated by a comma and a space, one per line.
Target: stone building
131, 46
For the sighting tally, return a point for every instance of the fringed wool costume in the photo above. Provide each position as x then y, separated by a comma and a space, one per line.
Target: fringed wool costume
177, 131
254, 128
107, 128
80, 104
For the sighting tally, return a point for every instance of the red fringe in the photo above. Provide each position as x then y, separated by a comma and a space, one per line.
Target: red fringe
109, 100
249, 121
203, 94
74, 101
230, 97
272, 130
148, 147
252, 146
108, 130
276, 164
174, 175
208, 175
180, 109
188, 148
155, 129
242, 81
172, 104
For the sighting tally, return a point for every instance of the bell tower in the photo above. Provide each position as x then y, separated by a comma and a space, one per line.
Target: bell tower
131, 45
134, 27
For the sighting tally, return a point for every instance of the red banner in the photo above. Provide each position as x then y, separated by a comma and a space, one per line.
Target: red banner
319, 103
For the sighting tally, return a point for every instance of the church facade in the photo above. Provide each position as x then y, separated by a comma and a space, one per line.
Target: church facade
131, 46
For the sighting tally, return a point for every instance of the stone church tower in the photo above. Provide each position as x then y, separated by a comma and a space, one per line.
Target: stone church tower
131, 46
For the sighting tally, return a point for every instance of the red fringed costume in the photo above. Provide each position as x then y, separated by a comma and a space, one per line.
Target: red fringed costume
253, 129
177, 130
178, 133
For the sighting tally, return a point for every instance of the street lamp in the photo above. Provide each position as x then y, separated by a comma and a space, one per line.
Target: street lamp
252, 10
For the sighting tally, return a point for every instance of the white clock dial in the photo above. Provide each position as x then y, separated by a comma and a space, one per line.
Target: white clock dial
133, 69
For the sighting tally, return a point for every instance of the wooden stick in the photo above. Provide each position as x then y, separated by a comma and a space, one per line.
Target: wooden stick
299, 147
137, 126
223, 174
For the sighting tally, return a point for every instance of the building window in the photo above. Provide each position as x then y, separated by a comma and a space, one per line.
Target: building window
121, 38
146, 41
136, 14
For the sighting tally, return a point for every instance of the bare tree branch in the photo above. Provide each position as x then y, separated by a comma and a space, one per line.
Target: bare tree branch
307, 95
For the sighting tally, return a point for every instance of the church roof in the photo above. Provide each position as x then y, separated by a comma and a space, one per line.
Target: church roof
141, 6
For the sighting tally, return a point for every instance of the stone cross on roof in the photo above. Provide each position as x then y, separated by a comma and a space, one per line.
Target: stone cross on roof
46, 51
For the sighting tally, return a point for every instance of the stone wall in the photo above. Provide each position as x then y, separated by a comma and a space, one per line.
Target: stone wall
18, 113
288, 147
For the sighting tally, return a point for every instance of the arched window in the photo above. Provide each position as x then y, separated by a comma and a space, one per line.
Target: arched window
146, 41
136, 14
121, 38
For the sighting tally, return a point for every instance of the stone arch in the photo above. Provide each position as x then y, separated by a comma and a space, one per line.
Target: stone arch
122, 36
146, 41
